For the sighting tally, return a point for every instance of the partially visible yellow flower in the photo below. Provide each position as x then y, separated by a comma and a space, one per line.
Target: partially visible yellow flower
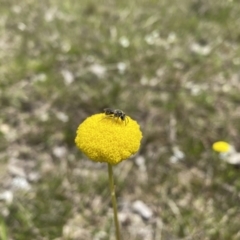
106, 139
221, 146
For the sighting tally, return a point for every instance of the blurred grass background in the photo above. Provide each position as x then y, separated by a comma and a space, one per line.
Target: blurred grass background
171, 65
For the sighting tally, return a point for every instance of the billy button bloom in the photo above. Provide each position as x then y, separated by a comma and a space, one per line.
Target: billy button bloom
107, 138
221, 146
227, 152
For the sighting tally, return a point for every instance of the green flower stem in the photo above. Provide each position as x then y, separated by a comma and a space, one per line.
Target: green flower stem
114, 202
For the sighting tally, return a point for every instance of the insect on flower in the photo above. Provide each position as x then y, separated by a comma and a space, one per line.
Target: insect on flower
116, 113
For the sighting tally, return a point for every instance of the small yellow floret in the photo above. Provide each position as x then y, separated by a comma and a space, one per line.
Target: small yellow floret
106, 139
221, 146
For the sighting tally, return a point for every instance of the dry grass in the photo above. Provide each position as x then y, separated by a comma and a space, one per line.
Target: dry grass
174, 67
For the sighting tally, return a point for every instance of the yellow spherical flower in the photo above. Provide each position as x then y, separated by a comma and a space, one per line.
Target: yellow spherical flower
107, 139
221, 146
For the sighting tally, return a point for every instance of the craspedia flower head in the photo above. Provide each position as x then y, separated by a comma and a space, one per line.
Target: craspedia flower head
221, 147
107, 139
